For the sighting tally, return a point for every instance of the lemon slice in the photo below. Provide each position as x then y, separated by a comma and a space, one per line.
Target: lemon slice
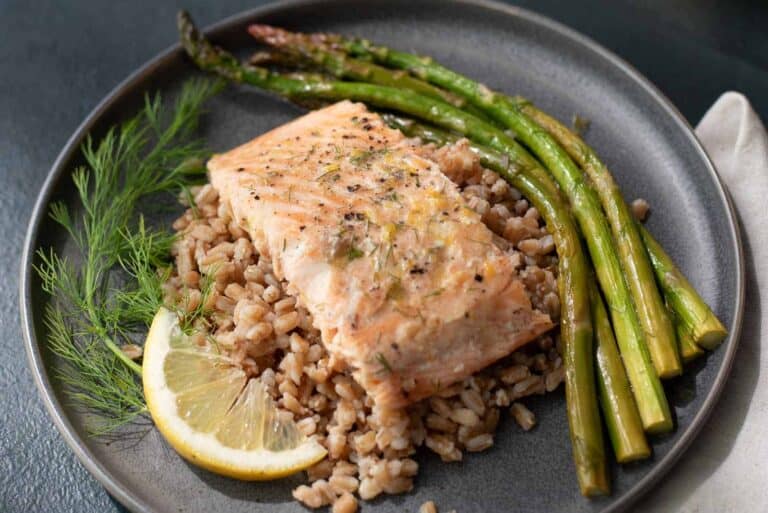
212, 414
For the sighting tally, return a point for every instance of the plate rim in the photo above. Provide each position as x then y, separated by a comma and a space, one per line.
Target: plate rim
35, 360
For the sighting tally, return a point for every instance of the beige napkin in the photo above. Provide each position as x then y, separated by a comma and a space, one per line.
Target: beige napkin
726, 468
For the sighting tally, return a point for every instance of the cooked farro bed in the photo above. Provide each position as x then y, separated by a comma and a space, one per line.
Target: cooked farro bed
258, 322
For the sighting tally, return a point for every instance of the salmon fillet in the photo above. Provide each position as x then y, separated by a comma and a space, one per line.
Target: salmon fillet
402, 278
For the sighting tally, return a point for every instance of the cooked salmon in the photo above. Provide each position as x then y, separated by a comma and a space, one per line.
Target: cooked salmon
402, 278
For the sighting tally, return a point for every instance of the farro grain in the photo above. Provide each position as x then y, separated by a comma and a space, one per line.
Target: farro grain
203, 232
540, 362
369, 489
320, 470
554, 378
132, 351
515, 374
528, 386
439, 423
501, 398
327, 495
284, 305
465, 417
479, 442
286, 322
254, 274
640, 208
473, 400
365, 443
345, 504
259, 331
530, 247
307, 426
271, 293
428, 507
271, 280
524, 417
440, 406
291, 403
243, 250
307, 496
342, 483
398, 485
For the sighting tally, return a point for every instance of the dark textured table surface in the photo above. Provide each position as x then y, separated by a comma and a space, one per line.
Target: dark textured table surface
58, 59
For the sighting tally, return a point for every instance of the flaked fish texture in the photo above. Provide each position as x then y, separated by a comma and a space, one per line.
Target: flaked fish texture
402, 278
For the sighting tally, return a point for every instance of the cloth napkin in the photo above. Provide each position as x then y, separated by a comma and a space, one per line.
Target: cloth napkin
726, 468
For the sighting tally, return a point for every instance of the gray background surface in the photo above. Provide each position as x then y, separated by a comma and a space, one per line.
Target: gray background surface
58, 60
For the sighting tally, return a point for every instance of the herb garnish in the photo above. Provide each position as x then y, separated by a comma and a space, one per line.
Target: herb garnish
435, 292
331, 170
364, 156
354, 253
385, 366
114, 289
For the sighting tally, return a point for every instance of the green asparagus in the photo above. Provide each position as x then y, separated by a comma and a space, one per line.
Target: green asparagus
343, 66
691, 312
625, 428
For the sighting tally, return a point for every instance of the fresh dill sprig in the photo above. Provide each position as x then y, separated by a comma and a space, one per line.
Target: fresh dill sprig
145, 262
96, 379
115, 286
385, 366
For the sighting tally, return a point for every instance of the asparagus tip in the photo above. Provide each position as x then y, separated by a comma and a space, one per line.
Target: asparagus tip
204, 54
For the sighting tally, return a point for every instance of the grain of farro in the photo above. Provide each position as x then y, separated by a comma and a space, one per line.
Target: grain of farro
428, 507
524, 417
465, 417
132, 351
479, 443
345, 504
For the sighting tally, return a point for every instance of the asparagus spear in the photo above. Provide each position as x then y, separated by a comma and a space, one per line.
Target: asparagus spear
625, 428
586, 433
696, 319
575, 325
341, 65
649, 394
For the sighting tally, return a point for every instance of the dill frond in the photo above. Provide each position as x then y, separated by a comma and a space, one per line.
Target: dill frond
95, 379
146, 264
89, 317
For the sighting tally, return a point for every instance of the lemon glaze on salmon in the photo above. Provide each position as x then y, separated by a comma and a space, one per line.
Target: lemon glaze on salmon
402, 278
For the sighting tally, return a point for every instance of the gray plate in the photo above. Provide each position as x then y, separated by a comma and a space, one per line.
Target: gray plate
644, 140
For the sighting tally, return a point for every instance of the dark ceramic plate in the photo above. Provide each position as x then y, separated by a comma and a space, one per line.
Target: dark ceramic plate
642, 137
